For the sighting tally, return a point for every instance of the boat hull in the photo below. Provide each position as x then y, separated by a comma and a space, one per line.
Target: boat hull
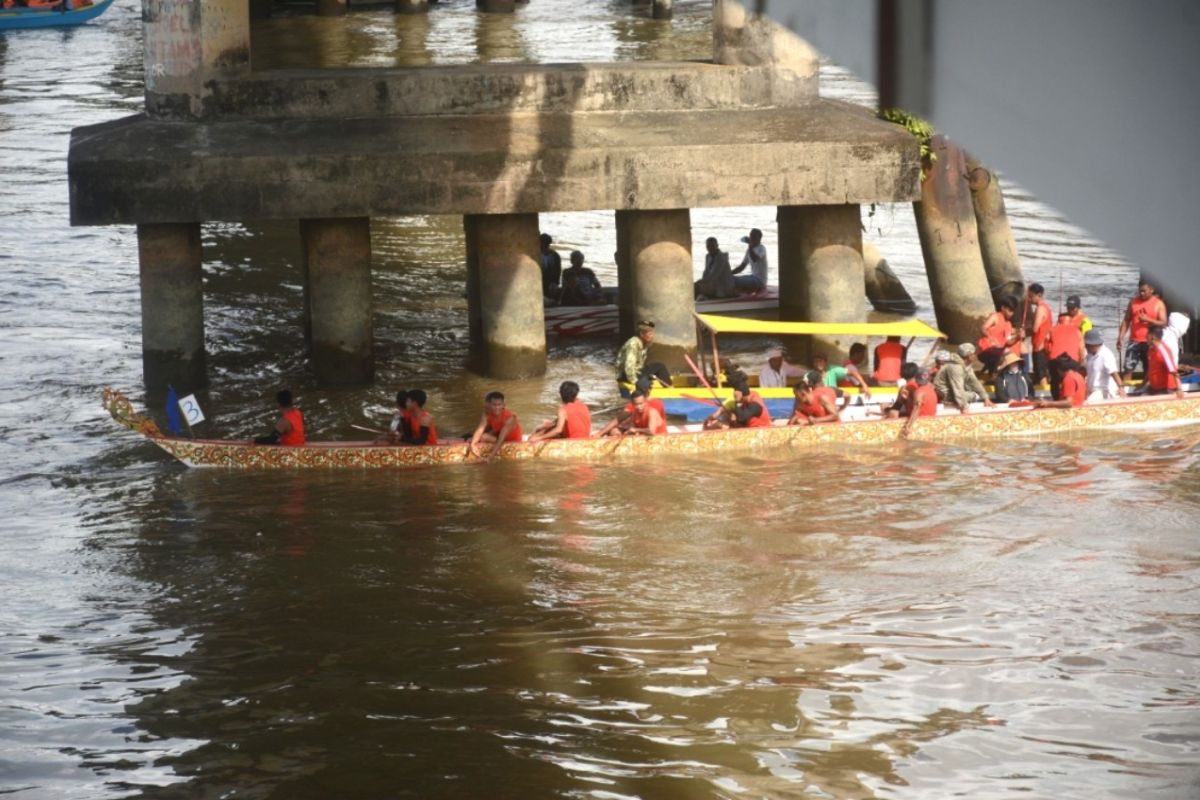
12, 19
1147, 413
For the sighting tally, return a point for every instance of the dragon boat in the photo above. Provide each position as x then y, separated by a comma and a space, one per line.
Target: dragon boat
65, 13
858, 428
604, 320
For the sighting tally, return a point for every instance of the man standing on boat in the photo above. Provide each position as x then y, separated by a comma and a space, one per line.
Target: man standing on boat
717, 281
497, 426
1144, 310
756, 259
551, 268
573, 421
889, 358
776, 371
1039, 332
999, 338
289, 428
1103, 376
631, 361
1076, 315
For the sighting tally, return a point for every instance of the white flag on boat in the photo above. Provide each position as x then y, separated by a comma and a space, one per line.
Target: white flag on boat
190, 407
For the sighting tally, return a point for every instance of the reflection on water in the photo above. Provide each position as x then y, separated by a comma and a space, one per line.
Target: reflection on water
911, 621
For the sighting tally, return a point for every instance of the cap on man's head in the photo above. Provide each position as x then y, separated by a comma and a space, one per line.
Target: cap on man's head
1093, 337
775, 352
942, 356
966, 349
645, 325
1073, 301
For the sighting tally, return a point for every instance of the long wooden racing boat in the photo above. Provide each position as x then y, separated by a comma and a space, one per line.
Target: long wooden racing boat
857, 429
65, 13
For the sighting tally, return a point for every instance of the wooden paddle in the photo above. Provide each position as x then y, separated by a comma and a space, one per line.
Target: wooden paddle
368, 430
703, 380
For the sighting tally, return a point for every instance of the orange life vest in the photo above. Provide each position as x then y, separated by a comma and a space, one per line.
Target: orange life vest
295, 436
763, 420
1160, 368
495, 424
414, 426
642, 420
1042, 332
997, 332
1138, 329
929, 405
1065, 338
813, 407
889, 357
1074, 388
579, 420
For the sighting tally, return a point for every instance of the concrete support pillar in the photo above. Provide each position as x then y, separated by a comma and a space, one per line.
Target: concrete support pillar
821, 273
260, 9
172, 308
412, 6
884, 289
654, 265
1001, 263
747, 39
331, 8
496, 6
945, 215
337, 267
504, 293
188, 44
662, 9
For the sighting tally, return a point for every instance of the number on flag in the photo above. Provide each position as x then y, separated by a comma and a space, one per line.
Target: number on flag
191, 410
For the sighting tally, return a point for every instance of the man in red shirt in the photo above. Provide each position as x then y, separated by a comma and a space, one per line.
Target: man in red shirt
1072, 386
1144, 310
573, 420
1162, 373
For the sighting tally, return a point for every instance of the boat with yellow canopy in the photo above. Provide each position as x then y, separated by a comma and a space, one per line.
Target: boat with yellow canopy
688, 397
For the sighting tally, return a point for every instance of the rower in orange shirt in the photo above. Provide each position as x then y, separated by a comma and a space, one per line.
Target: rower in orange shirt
573, 421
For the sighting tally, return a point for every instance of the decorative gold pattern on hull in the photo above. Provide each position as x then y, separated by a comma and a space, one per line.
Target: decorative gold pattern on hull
1141, 412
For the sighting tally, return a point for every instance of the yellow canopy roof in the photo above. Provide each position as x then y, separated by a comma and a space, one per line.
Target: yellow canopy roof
912, 327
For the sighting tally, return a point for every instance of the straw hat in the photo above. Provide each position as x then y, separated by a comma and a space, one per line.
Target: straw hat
1009, 359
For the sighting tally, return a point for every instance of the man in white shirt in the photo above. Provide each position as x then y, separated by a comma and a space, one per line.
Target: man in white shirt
756, 259
776, 371
1103, 375
1177, 327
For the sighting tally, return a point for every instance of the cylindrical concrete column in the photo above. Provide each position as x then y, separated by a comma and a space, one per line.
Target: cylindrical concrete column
187, 45
337, 265
331, 8
412, 6
1001, 263
821, 272
503, 255
172, 308
884, 289
662, 9
654, 264
945, 216
496, 6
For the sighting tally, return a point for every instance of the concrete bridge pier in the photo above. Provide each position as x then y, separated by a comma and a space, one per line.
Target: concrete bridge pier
504, 294
337, 281
946, 226
821, 273
169, 264
654, 274
662, 9
1001, 263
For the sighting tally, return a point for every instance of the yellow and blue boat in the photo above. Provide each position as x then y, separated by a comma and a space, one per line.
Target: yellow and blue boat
56, 15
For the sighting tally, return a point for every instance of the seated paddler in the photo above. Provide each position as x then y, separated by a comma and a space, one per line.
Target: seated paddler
497, 426
815, 402
748, 410
289, 427
573, 420
419, 428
